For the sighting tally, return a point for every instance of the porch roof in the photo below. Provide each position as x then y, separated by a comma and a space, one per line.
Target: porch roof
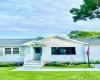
35, 43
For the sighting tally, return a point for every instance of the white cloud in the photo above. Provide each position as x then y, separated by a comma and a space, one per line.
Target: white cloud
17, 29
51, 16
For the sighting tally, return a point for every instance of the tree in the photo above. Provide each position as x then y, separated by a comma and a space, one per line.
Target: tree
84, 34
39, 38
89, 10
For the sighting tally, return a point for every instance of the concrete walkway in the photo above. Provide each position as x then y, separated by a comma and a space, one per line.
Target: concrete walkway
30, 68
96, 65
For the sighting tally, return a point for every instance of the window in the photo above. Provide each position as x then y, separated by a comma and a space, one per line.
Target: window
63, 50
15, 50
37, 49
7, 50
12, 50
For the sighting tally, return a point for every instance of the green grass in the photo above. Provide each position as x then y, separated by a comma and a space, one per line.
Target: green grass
6, 74
74, 66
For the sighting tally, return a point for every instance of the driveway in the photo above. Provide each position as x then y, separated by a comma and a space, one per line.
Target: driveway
96, 65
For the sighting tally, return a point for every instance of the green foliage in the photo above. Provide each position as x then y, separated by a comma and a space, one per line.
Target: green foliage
10, 64
66, 65
52, 64
84, 34
39, 38
6, 74
94, 62
89, 10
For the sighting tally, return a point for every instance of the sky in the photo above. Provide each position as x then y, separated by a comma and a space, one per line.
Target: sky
31, 18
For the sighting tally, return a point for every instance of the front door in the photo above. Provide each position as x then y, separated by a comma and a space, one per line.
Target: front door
38, 53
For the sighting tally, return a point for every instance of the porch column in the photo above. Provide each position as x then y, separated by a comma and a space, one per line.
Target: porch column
28, 55
31, 52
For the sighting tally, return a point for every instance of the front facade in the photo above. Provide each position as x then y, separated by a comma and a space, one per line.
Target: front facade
55, 48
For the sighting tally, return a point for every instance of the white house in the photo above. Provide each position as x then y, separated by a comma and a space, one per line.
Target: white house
94, 45
54, 48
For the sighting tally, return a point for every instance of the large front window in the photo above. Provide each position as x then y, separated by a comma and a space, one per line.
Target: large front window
63, 51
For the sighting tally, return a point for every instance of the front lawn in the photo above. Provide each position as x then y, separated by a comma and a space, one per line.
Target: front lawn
69, 66
6, 74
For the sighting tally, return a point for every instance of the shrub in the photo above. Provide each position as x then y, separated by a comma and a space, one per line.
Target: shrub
52, 64
67, 63
94, 62
10, 64
77, 63
56, 64
63, 63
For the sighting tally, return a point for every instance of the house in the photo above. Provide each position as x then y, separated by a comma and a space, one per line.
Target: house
54, 48
94, 45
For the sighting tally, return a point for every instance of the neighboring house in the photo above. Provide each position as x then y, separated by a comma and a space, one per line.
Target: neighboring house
54, 48
94, 45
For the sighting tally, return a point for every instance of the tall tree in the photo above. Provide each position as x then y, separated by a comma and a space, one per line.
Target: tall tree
84, 34
90, 9
39, 38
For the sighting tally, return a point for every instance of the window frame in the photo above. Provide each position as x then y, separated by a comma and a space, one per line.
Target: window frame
15, 50
59, 48
11, 50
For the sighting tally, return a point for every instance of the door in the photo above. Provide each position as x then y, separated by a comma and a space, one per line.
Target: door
38, 53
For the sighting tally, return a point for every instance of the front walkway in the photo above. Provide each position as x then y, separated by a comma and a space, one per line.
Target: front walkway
31, 68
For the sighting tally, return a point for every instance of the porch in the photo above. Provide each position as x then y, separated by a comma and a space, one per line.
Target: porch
33, 54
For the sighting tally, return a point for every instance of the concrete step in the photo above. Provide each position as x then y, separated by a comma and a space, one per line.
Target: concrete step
33, 63
33, 66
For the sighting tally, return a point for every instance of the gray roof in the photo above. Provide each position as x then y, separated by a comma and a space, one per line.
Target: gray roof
20, 42
90, 41
13, 42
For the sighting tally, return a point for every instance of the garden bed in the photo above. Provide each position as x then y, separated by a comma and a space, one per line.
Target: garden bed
66, 65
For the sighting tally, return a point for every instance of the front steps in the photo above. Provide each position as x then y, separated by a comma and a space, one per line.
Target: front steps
33, 63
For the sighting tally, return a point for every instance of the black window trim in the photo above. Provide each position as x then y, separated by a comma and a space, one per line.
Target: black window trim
63, 47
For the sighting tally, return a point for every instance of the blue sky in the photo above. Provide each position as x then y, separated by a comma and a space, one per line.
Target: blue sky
31, 18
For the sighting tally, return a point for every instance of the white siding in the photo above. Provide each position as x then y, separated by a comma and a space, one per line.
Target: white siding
54, 42
27, 50
11, 57
1, 51
21, 51
94, 52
